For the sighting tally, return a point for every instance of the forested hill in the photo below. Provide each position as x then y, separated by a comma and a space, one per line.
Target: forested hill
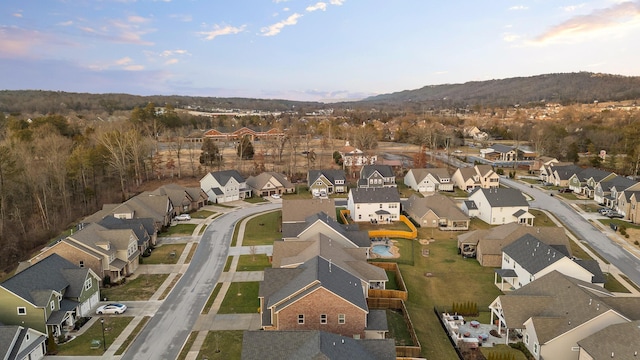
568, 88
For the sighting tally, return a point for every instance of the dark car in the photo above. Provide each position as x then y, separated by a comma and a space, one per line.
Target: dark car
565, 190
615, 215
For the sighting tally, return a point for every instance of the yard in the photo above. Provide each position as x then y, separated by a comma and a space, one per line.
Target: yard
82, 345
225, 345
178, 229
241, 298
253, 262
139, 289
164, 254
263, 229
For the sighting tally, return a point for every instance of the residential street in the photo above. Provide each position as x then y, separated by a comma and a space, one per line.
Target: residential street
169, 328
625, 261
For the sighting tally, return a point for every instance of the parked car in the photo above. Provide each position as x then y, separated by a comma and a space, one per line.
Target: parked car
183, 217
615, 215
603, 211
114, 308
565, 190
275, 196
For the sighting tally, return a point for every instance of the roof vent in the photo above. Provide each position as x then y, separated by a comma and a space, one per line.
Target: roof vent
343, 341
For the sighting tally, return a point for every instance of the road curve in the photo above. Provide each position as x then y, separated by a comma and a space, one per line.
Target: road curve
169, 328
627, 263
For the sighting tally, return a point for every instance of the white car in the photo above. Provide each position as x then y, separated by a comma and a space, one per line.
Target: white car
275, 196
183, 217
114, 308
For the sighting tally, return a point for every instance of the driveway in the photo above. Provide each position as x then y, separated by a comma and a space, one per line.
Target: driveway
626, 262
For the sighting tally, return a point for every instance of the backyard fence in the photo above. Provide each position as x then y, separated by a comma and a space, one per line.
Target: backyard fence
397, 233
401, 293
398, 304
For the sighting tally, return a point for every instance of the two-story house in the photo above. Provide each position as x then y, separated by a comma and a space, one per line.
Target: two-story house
224, 186
374, 204
269, 183
376, 176
327, 181
183, 199
20, 343
586, 180
479, 176
321, 223
49, 296
429, 180
502, 206
352, 156
607, 192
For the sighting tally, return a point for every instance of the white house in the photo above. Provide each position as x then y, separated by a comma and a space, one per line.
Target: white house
374, 204
501, 206
528, 258
352, 156
429, 180
224, 186
20, 343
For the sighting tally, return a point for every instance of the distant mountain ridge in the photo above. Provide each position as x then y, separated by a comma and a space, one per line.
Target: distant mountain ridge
564, 88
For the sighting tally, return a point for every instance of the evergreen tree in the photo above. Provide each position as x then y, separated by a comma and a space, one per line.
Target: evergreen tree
210, 153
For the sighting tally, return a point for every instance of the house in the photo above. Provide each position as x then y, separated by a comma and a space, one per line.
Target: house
20, 343
528, 258
184, 199
559, 175
225, 186
499, 152
502, 206
327, 181
607, 192
436, 211
489, 179
554, 312
626, 206
486, 245
479, 176
546, 170
618, 341
298, 210
376, 176
540, 162
144, 229
313, 344
145, 205
352, 156
586, 180
233, 135
112, 254
313, 296
633, 213
470, 208
49, 296
374, 204
429, 180
321, 223
269, 183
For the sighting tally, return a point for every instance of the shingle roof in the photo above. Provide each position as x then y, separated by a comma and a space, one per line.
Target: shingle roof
567, 171
222, 177
593, 173
532, 254
619, 182
297, 210
384, 170
615, 341
352, 233
441, 205
313, 345
331, 175
136, 225
504, 197
375, 195
258, 182
471, 205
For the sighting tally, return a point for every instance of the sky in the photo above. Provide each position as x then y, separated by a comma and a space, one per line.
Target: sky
327, 50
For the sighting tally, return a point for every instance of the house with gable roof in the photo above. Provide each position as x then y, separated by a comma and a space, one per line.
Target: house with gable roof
561, 174
502, 206
352, 156
269, 183
479, 176
528, 258
586, 180
429, 180
184, 199
21, 343
49, 296
374, 204
328, 181
145, 205
618, 341
225, 186
436, 211
321, 223
627, 203
376, 176
607, 192
298, 210
553, 313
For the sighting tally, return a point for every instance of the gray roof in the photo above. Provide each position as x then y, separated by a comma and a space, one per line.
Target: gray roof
383, 170
532, 254
623, 340
54, 273
223, 177
313, 345
375, 195
331, 175
593, 173
140, 227
356, 236
593, 267
297, 210
567, 171
502, 148
377, 320
619, 182
279, 285
12, 338
258, 182
470, 204
441, 205
503, 197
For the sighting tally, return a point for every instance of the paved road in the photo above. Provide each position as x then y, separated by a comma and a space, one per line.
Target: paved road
169, 328
584, 230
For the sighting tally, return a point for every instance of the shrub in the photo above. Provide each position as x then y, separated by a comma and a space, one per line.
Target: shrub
636, 242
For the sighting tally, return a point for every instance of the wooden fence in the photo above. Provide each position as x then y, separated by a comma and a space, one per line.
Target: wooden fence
398, 304
401, 293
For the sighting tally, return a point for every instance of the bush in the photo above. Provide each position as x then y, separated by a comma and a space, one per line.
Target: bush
522, 347
636, 242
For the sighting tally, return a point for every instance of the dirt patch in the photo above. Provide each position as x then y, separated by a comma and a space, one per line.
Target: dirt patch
634, 235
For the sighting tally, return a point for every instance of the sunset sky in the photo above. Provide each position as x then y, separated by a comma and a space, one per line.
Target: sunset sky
306, 50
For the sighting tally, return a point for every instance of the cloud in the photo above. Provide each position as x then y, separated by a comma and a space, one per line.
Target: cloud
129, 31
17, 42
518, 7
336, 2
171, 62
219, 31
18, 14
169, 53
318, 6
66, 23
277, 27
617, 16
510, 37
572, 8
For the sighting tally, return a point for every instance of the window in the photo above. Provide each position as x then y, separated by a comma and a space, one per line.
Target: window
526, 339
81, 264
87, 284
380, 206
22, 310
535, 348
52, 305
301, 319
323, 318
341, 319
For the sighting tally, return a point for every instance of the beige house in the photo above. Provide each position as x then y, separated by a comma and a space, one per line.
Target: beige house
619, 341
479, 176
436, 211
298, 210
269, 183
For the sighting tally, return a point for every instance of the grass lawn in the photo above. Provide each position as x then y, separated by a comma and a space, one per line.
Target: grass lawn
241, 298
630, 282
133, 335
163, 254
201, 214
227, 264
81, 345
620, 223
168, 289
396, 225
541, 218
253, 262
578, 252
138, 289
187, 345
179, 229
223, 205
263, 229
453, 279
211, 298
191, 252
503, 349
398, 329
392, 284
613, 285
406, 248
221, 345
255, 200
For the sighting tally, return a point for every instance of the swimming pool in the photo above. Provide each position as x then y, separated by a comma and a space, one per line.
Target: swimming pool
382, 250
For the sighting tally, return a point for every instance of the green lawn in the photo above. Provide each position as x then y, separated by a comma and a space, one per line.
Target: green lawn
398, 329
201, 214
81, 345
241, 298
253, 262
222, 345
541, 218
164, 254
138, 289
211, 298
179, 229
396, 225
392, 284
503, 349
255, 200
263, 229
133, 335
613, 285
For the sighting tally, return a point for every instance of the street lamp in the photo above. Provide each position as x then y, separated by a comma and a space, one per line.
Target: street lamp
104, 342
